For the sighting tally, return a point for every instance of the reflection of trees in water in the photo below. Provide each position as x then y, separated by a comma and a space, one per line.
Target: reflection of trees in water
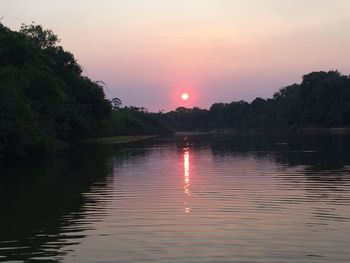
45, 207
316, 165
318, 153
323, 159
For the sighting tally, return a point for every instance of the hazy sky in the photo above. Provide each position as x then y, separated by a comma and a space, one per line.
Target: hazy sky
149, 51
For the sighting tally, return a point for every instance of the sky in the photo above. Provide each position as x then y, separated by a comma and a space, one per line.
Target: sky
148, 52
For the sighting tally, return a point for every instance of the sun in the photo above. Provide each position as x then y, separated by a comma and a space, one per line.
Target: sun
185, 96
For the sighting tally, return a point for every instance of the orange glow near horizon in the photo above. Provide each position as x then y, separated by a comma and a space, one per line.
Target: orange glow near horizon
185, 95
150, 52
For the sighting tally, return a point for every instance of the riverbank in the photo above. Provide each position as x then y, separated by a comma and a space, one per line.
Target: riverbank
340, 130
119, 139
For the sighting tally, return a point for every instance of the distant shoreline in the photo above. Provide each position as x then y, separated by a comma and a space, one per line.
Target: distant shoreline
119, 139
339, 130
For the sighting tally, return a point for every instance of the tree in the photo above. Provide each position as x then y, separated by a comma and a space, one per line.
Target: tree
322, 99
44, 38
116, 103
45, 100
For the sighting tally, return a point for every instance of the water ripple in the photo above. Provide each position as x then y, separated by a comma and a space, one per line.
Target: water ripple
211, 202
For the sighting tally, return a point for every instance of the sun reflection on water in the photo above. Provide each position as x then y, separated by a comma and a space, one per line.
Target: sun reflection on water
186, 156
187, 171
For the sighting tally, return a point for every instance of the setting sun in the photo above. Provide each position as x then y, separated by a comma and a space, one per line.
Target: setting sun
185, 96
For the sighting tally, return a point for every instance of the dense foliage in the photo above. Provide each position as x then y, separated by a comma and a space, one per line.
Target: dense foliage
44, 99
46, 102
322, 99
133, 121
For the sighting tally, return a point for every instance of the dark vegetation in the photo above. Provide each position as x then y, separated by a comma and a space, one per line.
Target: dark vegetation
45, 101
131, 121
321, 100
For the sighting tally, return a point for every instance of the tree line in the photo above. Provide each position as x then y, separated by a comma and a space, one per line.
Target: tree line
321, 100
47, 103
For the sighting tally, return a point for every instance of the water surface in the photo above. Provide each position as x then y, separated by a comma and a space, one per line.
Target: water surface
222, 199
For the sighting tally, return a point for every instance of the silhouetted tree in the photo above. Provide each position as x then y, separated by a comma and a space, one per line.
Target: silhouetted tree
45, 102
322, 99
116, 103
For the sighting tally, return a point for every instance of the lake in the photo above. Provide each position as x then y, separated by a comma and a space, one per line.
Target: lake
242, 198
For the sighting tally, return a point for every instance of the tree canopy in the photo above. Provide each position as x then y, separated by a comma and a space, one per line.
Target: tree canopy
322, 99
45, 101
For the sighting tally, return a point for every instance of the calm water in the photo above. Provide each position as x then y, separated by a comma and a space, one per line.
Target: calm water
224, 199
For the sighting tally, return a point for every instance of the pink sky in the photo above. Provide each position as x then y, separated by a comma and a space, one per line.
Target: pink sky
149, 51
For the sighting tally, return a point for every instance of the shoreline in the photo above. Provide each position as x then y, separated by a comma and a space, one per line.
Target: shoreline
306, 131
118, 139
